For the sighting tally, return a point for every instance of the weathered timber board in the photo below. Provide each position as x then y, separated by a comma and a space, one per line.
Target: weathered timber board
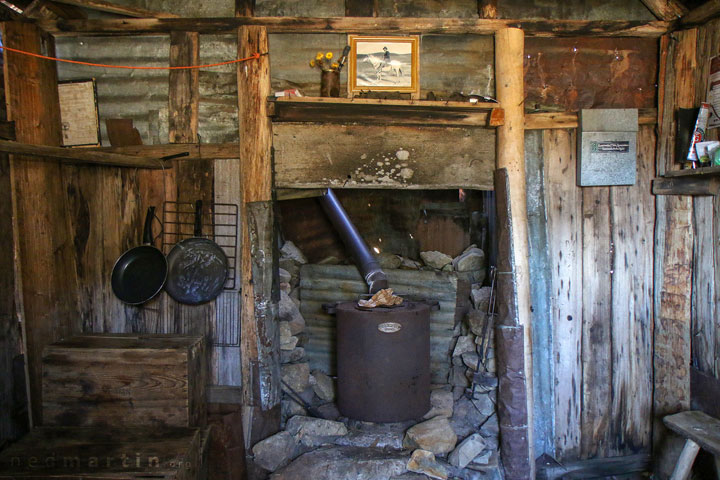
564, 201
109, 380
10, 334
96, 453
673, 241
632, 316
315, 156
369, 25
44, 252
703, 291
596, 329
698, 427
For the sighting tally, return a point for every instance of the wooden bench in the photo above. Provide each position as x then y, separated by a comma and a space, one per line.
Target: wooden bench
700, 431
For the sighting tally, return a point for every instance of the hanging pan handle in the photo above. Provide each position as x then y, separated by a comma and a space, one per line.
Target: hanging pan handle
147, 229
197, 231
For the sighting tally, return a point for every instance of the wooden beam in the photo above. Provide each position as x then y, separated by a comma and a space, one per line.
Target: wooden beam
361, 8
110, 7
385, 112
686, 186
509, 54
596, 467
44, 254
699, 15
673, 247
79, 156
667, 10
49, 10
564, 120
183, 102
260, 362
366, 25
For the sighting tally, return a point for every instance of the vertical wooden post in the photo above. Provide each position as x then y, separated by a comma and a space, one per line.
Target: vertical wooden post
673, 245
44, 249
509, 51
193, 179
259, 334
244, 8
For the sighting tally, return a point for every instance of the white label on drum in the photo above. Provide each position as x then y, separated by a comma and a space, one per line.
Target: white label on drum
389, 327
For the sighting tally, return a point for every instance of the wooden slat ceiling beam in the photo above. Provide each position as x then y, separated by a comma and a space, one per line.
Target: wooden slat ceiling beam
667, 10
700, 15
368, 25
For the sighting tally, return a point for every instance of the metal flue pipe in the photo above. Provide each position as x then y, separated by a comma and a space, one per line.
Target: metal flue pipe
364, 259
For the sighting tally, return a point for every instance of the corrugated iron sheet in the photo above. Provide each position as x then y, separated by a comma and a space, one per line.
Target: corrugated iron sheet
142, 95
340, 283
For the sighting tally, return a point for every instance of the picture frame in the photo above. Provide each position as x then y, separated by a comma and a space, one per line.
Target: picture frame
384, 64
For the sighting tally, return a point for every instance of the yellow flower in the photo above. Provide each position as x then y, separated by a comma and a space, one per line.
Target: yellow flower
319, 56
328, 55
312, 63
335, 65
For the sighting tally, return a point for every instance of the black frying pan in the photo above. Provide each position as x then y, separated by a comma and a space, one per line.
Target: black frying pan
139, 274
197, 267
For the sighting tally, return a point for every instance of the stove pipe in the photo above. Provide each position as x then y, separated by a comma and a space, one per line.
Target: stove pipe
365, 260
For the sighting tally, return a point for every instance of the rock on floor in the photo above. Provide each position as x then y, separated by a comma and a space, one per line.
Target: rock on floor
435, 259
441, 401
344, 463
275, 451
466, 452
313, 432
424, 462
380, 435
435, 435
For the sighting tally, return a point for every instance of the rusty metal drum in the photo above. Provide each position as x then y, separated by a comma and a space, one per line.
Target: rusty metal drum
383, 362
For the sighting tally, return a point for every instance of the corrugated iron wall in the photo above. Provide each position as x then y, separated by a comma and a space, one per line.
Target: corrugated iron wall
340, 283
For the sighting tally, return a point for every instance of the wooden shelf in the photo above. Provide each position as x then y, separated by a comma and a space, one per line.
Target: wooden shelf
385, 112
693, 172
691, 181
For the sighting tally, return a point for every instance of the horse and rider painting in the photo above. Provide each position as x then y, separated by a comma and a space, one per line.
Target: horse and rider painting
384, 63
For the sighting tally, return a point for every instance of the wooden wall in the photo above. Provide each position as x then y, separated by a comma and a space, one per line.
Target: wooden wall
599, 303
705, 329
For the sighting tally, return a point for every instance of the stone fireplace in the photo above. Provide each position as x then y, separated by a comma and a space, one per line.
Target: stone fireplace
435, 245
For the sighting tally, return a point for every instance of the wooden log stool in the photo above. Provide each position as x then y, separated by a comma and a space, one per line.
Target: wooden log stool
700, 431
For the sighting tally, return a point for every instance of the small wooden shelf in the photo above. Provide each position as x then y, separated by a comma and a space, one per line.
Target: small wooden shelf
385, 112
691, 181
693, 172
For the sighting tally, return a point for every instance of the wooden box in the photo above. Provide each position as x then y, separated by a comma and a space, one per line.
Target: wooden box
96, 453
118, 380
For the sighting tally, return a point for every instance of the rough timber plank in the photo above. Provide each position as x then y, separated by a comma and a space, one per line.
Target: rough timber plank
633, 217
673, 243
45, 248
597, 262
193, 179
316, 156
563, 201
667, 10
365, 25
703, 278
698, 427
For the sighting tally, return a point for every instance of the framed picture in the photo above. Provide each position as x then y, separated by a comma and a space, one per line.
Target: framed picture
384, 64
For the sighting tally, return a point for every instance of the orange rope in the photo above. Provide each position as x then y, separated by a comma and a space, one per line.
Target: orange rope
254, 56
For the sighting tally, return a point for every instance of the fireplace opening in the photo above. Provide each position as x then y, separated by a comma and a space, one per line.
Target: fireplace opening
437, 245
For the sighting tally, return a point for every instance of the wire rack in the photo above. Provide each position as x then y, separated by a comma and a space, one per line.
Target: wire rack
220, 224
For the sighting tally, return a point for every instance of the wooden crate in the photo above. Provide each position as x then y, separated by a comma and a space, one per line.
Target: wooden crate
118, 380
176, 453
